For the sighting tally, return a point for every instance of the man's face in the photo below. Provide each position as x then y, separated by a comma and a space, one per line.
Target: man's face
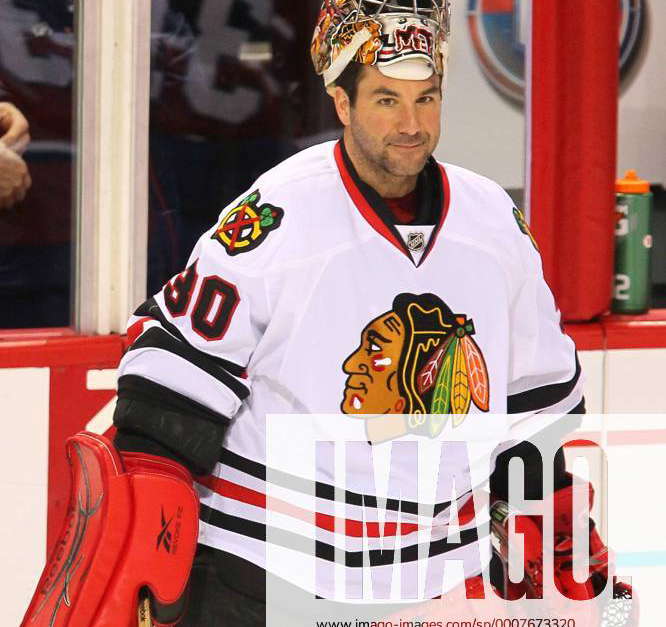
395, 124
372, 384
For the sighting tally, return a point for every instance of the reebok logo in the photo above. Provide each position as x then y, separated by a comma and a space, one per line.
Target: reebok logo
164, 537
167, 539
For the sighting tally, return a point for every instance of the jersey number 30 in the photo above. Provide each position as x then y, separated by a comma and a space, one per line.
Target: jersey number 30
215, 305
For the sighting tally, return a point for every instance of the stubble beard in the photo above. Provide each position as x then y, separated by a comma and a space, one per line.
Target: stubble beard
378, 157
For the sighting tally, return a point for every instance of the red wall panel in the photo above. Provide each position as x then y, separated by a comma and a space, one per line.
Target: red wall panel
71, 404
574, 97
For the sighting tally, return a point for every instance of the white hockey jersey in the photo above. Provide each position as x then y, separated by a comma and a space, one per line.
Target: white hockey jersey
305, 299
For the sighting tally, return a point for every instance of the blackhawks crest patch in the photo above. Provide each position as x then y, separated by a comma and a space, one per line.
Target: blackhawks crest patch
524, 227
420, 360
246, 226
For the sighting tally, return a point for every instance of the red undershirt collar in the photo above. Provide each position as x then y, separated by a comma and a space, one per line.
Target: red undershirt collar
403, 208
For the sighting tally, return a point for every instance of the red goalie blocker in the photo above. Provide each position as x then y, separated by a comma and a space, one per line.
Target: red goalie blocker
131, 532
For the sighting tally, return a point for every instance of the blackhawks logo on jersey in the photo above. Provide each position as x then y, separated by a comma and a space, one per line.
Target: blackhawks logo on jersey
246, 226
524, 227
419, 359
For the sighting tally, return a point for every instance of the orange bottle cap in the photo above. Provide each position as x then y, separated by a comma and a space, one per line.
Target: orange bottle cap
631, 184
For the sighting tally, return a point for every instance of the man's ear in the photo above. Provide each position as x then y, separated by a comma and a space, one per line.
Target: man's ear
342, 104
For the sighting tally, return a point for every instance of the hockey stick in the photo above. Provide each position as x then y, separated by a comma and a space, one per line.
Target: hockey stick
145, 619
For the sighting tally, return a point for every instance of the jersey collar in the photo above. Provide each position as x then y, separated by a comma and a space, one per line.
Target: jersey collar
377, 214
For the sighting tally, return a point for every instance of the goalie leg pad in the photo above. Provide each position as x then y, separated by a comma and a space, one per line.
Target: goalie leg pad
132, 525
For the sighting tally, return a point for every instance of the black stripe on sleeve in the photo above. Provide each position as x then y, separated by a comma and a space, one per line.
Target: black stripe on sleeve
152, 310
161, 339
543, 397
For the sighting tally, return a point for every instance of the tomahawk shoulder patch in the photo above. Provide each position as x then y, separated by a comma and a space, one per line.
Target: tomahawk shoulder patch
246, 226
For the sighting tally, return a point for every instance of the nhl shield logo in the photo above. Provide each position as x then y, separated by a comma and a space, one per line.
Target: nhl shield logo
500, 32
416, 241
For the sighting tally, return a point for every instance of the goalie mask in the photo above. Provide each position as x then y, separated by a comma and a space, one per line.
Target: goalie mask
404, 39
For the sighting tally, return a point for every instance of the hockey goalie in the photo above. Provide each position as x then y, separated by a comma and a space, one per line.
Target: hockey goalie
362, 280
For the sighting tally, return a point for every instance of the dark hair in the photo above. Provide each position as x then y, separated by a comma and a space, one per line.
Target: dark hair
349, 80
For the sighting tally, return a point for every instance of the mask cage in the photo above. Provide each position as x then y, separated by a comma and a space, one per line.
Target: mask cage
438, 11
